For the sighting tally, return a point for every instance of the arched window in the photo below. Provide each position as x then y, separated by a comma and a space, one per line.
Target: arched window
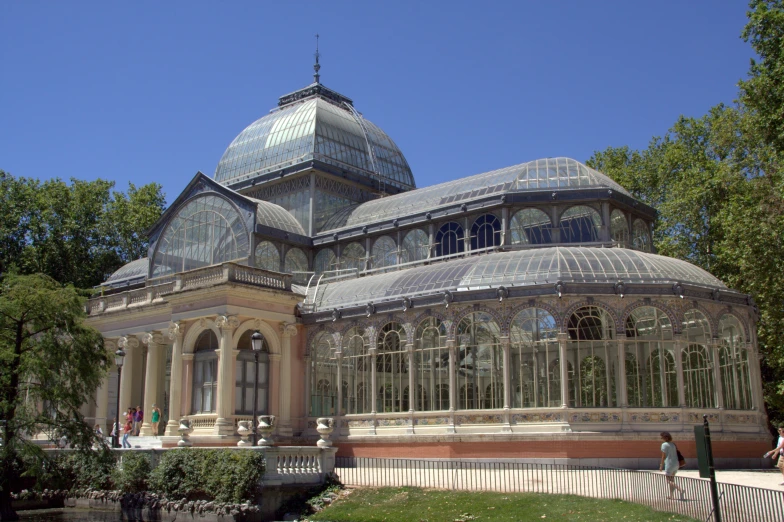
205, 373
580, 224
650, 344
591, 345
323, 375
432, 364
697, 363
734, 365
296, 264
530, 226
207, 230
245, 378
384, 252
449, 239
357, 372
353, 256
324, 261
641, 238
534, 349
479, 359
619, 228
485, 232
416, 246
391, 366
267, 256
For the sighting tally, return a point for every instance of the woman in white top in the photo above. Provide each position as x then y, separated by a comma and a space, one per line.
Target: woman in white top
779, 451
669, 463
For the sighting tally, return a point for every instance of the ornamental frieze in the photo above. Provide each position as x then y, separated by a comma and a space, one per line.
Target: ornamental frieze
649, 417
595, 417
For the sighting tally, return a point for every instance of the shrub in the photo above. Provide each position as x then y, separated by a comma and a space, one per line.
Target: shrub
91, 469
178, 474
133, 473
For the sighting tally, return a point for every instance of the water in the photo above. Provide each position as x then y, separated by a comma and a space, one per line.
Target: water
70, 515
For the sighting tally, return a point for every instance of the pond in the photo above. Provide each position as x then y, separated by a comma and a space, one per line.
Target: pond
70, 515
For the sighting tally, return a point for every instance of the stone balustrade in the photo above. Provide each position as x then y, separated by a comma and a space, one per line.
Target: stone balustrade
156, 289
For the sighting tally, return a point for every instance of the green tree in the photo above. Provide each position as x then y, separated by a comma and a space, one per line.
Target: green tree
50, 364
77, 233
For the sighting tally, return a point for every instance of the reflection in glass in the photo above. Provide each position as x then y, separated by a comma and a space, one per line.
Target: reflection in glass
432, 365
324, 261
580, 224
384, 252
641, 239
391, 368
353, 256
297, 265
416, 246
734, 365
536, 378
619, 228
530, 226
323, 375
591, 332
651, 379
479, 362
267, 256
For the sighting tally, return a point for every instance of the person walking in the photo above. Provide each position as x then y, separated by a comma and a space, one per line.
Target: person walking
778, 451
669, 464
138, 417
127, 429
156, 418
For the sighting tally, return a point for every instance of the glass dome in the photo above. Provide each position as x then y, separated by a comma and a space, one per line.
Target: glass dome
314, 129
130, 273
542, 174
515, 268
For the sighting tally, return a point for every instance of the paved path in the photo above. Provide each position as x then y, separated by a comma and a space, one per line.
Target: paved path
764, 478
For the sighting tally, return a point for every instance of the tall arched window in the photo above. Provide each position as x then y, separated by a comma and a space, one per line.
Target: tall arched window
485, 232
357, 372
207, 230
580, 224
205, 373
384, 252
432, 364
323, 376
416, 246
297, 264
651, 378
734, 364
449, 239
530, 226
641, 238
534, 350
353, 256
479, 361
324, 261
593, 351
697, 362
245, 378
267, 256
619, 228
391, 367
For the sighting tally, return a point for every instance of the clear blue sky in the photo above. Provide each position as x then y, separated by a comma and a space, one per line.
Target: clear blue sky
154, 91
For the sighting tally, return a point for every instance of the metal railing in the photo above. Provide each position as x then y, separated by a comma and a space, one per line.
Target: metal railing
738, 503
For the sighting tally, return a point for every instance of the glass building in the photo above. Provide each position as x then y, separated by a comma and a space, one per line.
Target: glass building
522, 304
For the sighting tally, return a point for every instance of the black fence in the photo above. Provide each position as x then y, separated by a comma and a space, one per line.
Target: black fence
738, 503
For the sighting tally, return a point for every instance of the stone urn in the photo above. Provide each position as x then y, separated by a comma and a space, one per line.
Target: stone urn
324, 426
185, 430
244, 428
264, 430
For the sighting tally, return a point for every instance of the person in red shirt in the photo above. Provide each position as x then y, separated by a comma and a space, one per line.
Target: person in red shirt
127, 431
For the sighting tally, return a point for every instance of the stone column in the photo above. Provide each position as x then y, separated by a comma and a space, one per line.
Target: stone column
679, 342
288, 330
718, 387
224, 424
131, 347
154, 342
451, 346
413, 393
623, 392
175, 386
187, 383
506, 347
274, 386
563, 364
373, 351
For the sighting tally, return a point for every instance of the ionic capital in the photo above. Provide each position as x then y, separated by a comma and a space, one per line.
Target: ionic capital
288, 329
126, 342
175, 329
152, 338
227, 322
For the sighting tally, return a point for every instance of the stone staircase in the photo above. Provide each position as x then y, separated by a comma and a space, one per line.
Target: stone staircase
145, 442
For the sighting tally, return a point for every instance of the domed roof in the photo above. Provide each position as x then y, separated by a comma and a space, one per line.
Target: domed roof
315, 123
514, 269
130, 273
541, 174
275, 216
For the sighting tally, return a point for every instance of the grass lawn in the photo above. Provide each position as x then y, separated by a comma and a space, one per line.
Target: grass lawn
420, 505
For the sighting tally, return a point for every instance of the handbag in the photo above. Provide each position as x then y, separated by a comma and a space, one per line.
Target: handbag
681, 460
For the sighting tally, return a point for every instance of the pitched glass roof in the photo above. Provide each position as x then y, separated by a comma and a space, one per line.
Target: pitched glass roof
134, 270
276, 216
314, 128
548, 173
514, 268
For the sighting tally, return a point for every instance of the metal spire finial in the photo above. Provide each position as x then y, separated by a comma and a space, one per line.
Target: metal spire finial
316, 66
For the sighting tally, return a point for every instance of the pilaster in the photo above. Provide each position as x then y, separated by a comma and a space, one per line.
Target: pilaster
154, 342
288, 330
175, 334
130, 345
224, 424
187, 384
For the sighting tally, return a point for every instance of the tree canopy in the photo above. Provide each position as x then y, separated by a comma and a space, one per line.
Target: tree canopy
718, 185
77, 233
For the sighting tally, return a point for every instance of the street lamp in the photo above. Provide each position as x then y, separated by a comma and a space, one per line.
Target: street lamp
256, 342
119, 356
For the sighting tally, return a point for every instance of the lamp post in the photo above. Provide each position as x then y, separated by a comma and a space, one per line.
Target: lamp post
119, 356
256, 342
